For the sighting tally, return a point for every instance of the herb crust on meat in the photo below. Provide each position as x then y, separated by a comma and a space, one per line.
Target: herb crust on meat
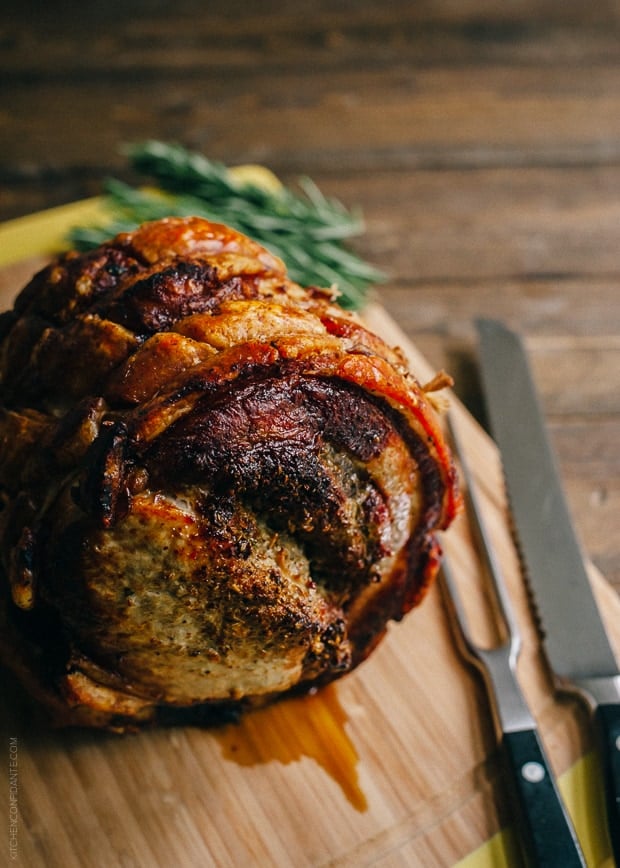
217, 486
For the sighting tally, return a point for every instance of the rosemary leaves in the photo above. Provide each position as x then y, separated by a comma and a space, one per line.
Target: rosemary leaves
306, 229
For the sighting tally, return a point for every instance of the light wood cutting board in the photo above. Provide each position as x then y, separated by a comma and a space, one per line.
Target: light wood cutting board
395, 765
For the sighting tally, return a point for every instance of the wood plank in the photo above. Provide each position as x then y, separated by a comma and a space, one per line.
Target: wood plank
457, 226
589, 460
582, 379
563, 306
591, 367
152, 41
489, 115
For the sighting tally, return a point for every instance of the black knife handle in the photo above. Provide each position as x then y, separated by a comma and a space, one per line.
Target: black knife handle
546, 833
607, 717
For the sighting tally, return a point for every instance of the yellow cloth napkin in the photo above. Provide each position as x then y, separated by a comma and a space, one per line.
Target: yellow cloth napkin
45, 233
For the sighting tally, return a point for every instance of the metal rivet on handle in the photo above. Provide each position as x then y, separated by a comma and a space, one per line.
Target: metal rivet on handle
533, 772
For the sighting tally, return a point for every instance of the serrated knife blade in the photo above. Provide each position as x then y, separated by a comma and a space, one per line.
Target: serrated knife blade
574, 637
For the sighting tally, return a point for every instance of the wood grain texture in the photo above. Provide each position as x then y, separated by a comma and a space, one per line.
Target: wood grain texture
482, 141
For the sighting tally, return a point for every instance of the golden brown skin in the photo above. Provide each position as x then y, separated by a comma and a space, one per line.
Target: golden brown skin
217, 486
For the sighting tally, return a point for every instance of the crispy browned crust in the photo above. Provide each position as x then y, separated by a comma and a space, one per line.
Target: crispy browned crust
218, 487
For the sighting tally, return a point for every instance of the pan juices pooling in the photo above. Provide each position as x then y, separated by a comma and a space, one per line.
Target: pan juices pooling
218, 486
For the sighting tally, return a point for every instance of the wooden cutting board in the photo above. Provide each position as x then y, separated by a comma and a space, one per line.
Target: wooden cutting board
395, 765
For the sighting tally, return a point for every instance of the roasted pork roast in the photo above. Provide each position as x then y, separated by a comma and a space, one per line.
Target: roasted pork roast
217, 486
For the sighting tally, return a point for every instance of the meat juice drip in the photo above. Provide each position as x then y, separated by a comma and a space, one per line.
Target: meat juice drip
319, 734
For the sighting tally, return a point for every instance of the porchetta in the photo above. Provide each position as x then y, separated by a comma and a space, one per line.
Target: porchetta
217, 486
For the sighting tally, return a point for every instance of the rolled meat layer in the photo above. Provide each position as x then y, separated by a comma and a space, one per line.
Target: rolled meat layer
218, 487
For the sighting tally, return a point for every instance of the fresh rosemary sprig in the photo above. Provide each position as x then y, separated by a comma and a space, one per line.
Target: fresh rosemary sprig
306, 229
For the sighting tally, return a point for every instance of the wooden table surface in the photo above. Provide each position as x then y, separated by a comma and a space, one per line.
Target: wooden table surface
481, 140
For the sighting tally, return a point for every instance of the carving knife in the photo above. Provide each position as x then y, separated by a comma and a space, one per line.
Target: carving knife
574, 638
